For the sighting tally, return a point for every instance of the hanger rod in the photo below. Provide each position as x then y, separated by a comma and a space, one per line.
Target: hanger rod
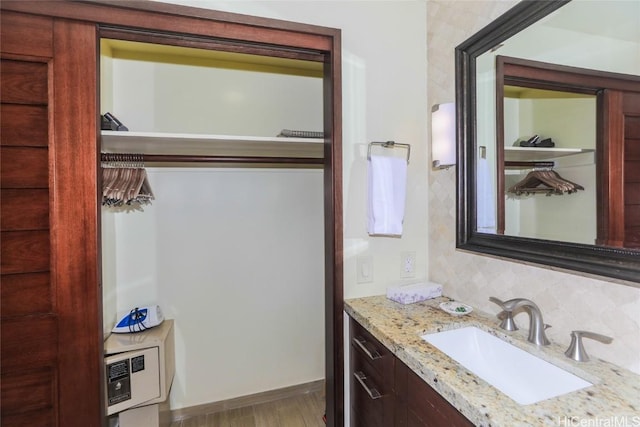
518, 164
181, 158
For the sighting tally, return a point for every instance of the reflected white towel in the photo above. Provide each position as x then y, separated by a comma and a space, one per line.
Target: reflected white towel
387, 192
486, 198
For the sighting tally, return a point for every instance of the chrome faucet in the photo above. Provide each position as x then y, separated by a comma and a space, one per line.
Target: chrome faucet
536, 324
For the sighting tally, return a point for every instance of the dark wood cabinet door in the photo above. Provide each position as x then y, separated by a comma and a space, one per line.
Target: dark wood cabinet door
631, 178
619, 206
426, 408
50, 368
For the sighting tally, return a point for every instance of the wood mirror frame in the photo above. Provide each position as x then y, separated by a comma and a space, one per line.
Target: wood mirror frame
616, 263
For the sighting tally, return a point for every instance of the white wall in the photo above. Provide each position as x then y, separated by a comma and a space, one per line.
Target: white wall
236, 258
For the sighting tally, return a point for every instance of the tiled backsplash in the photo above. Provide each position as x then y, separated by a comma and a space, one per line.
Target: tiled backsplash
568, 301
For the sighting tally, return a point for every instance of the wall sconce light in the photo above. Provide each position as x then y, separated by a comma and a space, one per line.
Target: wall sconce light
443, 135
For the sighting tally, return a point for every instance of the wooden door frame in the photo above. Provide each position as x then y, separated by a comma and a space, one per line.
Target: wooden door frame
194, 26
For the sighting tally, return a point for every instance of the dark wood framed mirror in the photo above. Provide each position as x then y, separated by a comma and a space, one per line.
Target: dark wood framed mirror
475, 115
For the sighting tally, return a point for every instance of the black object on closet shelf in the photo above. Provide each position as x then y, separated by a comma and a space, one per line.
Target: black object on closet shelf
109, 122
536, 141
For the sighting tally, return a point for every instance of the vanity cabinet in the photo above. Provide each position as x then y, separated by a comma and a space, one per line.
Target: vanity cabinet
385, 392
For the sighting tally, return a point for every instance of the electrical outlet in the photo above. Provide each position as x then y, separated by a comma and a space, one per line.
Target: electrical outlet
364, 269
408, 264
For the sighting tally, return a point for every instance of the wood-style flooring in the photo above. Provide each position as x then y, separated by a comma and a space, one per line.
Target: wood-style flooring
303, 410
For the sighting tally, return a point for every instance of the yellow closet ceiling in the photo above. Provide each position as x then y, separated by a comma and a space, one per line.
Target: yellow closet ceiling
122, 49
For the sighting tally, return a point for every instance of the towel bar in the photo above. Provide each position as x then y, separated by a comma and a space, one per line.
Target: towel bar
389, 144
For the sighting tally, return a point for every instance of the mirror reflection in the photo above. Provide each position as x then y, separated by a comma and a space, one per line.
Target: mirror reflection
558, 128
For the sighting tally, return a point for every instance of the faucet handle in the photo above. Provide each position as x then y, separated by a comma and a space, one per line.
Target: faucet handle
576, 350
497, 301
506, 316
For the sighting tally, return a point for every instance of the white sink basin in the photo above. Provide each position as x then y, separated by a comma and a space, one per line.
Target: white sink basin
522, 376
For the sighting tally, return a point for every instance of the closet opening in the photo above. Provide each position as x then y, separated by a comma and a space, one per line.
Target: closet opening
233, 246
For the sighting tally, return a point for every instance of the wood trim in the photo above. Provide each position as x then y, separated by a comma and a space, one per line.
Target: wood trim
34, 392
24, 251
26, 294
149, 36
23, 125
36, 348
74, 208
610, 200
334, 287
631, 169
22, 34
24, 82
24, 167
24, 210
177, 20
524, 72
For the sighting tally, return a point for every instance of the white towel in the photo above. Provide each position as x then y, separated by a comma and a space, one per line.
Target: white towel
387, 192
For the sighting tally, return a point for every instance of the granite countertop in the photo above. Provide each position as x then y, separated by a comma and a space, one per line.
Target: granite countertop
613, 400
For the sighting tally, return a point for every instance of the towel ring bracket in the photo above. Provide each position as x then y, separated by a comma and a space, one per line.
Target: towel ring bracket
389, 144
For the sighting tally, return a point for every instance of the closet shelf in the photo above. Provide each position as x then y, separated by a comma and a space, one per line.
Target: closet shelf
533, 153
155, 143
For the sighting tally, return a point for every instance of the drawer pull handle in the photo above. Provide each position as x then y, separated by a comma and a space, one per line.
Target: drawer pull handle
360, 342
372, 392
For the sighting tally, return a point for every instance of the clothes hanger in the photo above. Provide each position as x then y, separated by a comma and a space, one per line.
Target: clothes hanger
124, 181
544, 181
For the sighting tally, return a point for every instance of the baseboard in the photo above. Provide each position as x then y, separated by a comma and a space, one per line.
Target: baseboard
242, 401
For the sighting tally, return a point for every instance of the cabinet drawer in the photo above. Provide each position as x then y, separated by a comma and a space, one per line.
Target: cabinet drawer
366, 345
372, 379
425, 404
368, 394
